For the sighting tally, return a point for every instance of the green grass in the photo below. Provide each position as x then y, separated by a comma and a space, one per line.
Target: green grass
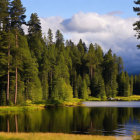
93, 99
73, 102
14, 109
51, 136
39, 105
130, 98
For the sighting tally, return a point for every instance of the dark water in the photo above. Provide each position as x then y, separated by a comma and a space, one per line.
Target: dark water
77, 120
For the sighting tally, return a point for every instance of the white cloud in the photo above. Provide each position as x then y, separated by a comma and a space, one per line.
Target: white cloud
53, 23
108, 30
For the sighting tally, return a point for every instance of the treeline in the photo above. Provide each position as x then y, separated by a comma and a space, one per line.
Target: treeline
33, 67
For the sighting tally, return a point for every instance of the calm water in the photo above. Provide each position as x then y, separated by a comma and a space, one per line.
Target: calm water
77, 120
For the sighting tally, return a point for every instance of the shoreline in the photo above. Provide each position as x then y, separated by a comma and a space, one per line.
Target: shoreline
75, 102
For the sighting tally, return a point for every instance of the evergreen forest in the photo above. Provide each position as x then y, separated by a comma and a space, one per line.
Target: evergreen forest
35, 67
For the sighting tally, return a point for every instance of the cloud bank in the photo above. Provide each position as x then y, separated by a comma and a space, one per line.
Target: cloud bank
109, 31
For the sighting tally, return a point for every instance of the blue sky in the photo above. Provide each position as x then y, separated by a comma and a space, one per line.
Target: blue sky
67, 8
108, 23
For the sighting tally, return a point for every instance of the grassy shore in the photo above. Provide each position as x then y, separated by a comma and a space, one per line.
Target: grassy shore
9, 109
130, 98
51, 136
73, 102
118, 98
39, 106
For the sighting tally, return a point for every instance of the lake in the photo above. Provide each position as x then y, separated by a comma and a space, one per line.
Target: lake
99, 120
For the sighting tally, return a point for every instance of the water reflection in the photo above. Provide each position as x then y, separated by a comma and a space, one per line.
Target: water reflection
83, 120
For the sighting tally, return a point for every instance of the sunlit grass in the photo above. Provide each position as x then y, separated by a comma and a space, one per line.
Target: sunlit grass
73, 102
51, 136
130, 98
94, 99
10, 109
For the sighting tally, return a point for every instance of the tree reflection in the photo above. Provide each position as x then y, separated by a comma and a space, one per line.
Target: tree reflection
69, 120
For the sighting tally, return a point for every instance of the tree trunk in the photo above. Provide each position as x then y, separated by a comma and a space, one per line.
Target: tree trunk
16, 88
8, 76
90, 72
16, 123
16, 72
8, 126
50, 86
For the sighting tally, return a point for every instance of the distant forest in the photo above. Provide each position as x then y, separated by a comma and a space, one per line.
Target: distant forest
34, 67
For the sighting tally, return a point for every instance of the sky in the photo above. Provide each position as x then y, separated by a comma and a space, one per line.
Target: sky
105, 22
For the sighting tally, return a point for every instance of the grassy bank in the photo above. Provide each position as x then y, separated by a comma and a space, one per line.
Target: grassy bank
73, 102
6, 109
51, 136
130, 98
38, 106
118, 98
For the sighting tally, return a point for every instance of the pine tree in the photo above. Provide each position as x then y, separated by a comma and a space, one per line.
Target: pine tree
81, 47
82, 50
110, 74
131, 84
84, 90
29, 73
98, 87
44, 74
137, 23
4, 15
34, 26
59, 40
62, 91
17, 19
101, 88
78, 85
124, 87
91, 60
5, 30
50, 37
61, 69
127, 85
120, 64
35, 40
94, 86
17, 15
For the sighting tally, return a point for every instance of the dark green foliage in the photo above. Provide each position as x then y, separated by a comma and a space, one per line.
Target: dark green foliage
62, 91
35, 40
50, 37
124, 85
98, 87
59, 40
110, 72
17, 14
136, 88
131, 84
4, 15
84, 90
34, 25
